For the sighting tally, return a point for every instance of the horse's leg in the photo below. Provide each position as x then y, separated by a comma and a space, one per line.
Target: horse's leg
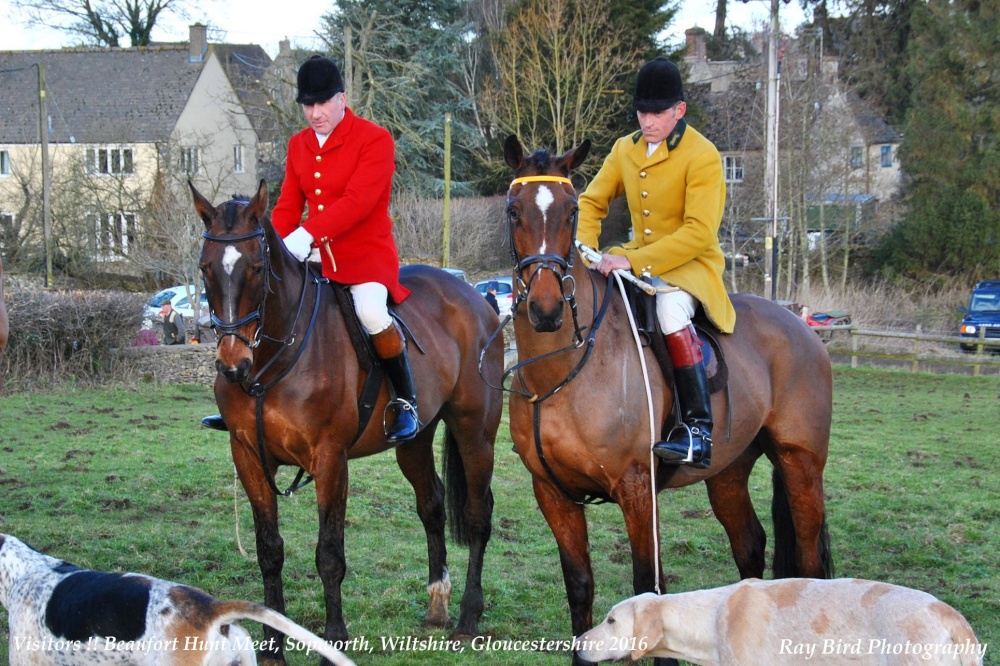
270, 545
568, 523
331, 499
416, 460
729, 495
802, 474
470, 503
635, 499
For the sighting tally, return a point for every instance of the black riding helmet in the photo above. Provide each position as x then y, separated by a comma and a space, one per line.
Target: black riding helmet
319, 80
658, 86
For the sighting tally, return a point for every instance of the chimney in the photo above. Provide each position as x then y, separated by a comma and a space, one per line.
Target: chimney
696, 44
199, 43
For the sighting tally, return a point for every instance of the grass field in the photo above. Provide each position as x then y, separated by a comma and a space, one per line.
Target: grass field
124, 480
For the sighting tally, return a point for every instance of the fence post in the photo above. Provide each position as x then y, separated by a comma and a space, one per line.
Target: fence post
854, 347
916, 350
980, 350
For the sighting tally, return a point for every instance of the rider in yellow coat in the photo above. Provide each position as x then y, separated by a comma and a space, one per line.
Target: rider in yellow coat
672, 178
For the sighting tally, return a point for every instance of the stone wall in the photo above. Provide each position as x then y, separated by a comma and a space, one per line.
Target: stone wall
178, 364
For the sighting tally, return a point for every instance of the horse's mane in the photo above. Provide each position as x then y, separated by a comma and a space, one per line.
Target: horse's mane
231, 208
541, 160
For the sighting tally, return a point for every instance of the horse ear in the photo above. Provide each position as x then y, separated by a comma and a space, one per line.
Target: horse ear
575, 157
513, 153
258, 205
204, 208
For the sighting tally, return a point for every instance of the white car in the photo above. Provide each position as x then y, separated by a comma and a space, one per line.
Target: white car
178, 298
505, 292
457, 272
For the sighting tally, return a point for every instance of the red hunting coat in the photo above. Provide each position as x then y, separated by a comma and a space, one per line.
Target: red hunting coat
345, 187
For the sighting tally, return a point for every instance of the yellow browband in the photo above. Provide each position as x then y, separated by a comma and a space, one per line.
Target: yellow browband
541, 179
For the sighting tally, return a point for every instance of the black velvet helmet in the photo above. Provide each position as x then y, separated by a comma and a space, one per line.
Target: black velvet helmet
658, 86
319, 80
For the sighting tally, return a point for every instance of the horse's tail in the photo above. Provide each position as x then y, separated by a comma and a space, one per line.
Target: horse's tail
456, 489
784, 565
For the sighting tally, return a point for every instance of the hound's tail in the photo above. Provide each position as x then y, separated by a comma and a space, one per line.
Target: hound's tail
234, 611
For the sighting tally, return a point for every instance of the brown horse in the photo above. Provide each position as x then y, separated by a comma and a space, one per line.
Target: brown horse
289, 385
578, 404
4, 324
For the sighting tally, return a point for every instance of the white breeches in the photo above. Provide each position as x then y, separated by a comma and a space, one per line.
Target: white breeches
674, 309
370, 302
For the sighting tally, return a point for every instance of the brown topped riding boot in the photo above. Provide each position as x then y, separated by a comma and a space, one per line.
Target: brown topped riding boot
391, 349
689, 443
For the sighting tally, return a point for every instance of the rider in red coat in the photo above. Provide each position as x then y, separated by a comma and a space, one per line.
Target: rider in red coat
339, 173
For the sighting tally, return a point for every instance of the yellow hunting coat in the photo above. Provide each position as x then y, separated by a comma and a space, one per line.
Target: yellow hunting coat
676, 197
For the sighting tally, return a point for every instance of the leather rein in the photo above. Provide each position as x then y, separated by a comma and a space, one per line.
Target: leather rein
255, 387
561, 266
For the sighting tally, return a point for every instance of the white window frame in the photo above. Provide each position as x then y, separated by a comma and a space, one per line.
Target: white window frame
4, 162
886, 151
191, 160
238, 159
857, 159
733, 167
114, 234
109, 160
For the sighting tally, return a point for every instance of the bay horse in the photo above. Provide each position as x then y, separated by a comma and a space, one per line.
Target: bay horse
578, 404
288, 390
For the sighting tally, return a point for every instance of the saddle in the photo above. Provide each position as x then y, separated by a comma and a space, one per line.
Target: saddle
643, 307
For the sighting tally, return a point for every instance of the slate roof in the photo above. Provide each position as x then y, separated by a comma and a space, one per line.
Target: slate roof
99, 95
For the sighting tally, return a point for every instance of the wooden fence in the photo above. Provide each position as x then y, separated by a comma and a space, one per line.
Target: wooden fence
918, 348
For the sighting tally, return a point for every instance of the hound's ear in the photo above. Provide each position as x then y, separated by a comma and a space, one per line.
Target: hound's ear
205, 209
647, 626
513, 153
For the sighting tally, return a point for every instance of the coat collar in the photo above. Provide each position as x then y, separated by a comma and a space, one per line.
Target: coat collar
339, 135
639, 145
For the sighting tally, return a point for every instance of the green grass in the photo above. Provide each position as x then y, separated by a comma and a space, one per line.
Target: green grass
124, 480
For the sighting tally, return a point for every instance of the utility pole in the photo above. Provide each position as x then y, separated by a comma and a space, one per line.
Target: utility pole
43, 130
771, 155
446, 241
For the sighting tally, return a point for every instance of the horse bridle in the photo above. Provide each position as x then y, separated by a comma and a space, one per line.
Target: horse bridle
257, 389
224, 328
560, 265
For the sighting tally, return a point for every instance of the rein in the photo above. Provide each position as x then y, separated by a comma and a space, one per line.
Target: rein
254, 387
561, 266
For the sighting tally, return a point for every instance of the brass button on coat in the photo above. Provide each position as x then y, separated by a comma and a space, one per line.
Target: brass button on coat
316, 175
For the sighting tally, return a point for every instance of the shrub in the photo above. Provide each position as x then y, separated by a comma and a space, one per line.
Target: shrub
478, 232
60, 335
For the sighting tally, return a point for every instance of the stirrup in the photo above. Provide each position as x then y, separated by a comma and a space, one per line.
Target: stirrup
404, 407
670, 455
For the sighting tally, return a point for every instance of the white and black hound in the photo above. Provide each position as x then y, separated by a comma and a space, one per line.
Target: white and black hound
61, 615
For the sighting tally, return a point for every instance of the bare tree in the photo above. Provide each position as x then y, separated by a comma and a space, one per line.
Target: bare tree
557, 66
101, 22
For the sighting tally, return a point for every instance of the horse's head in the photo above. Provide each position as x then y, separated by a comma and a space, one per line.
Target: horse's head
234, 264
541, 216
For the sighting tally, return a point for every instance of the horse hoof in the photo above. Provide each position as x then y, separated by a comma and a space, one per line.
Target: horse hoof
438, 621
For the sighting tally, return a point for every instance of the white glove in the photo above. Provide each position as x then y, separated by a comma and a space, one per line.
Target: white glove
299, 243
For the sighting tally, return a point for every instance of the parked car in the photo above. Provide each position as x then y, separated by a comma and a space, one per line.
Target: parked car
983, 314
505, 292
457, 272
178, 297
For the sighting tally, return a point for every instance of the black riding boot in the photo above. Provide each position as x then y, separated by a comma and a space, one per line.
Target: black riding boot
401, 420
214, 422
691, 442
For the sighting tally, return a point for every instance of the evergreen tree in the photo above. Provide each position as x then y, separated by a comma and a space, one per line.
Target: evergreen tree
950, 151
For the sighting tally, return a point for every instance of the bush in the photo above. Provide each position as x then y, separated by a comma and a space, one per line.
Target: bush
60, 335
478, 232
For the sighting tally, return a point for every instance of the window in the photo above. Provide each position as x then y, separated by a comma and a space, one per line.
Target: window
857, 157
733, 165
191, 160
4, 163
109, 161
238, 159
114, 234
886, 156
